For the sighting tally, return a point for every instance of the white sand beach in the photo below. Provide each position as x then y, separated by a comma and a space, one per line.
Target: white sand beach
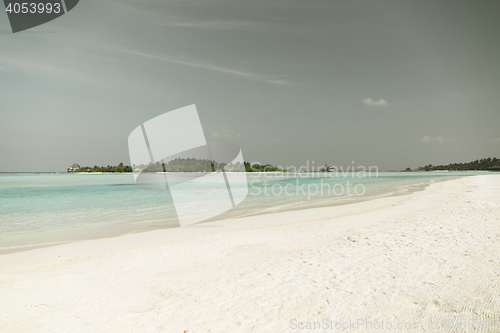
428, 257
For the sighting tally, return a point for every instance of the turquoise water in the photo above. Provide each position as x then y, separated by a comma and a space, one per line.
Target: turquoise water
43, 209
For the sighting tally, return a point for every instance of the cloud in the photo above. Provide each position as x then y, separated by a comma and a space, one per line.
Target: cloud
237, 25
428, 139
235, 72
263, 25
214, 25
225, 136
371, 102
32, 67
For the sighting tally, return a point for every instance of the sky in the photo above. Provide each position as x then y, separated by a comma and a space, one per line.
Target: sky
392, 84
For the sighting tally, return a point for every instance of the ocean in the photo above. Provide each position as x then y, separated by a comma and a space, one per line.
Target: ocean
40, 210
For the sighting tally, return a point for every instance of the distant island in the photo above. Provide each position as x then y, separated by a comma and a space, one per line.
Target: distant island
485, 164
75, 168
177, 165
200, 165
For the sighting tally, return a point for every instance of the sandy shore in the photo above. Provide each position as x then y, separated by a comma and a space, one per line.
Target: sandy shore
430, 259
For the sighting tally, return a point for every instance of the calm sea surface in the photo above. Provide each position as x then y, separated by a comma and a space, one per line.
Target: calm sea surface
46, 209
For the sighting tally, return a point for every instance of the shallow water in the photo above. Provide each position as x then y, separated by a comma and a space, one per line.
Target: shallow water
43, 209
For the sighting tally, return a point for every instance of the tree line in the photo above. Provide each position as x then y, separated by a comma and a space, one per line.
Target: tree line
118, 168
183, 165
485, 164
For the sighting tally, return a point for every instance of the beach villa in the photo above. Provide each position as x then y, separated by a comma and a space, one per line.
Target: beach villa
74, 167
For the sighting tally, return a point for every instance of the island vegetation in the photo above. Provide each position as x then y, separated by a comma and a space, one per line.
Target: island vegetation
485, 164
111, 169
179, 165
206, 165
